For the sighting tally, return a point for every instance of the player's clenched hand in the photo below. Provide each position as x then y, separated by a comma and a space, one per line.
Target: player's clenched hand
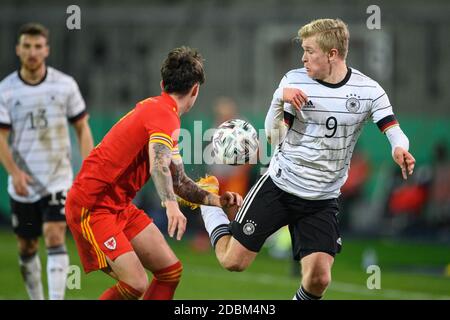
230, 203
176, 220
405, 160
20, 182
294, 96
230, 199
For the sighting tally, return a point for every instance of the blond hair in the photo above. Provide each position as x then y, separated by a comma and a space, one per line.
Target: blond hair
330, 34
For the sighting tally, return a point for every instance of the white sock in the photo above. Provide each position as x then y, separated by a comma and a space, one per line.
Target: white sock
30, 267
302, 294
216, 223
57, 266
213, 217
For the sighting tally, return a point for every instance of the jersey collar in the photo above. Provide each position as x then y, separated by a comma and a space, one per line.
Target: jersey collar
33, 84
172, 103
340, 83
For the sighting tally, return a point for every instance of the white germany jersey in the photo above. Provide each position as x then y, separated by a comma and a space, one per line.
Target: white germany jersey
37, 116
314, 158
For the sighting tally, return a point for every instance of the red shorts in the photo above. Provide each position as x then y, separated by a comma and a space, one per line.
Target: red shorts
98, 233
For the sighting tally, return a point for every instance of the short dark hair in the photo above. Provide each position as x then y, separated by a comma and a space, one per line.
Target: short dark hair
181, 70
33, 29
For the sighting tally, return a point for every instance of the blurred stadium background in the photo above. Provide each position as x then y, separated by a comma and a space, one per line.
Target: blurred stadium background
403, 227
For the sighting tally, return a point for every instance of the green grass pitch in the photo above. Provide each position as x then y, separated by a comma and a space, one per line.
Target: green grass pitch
408, 271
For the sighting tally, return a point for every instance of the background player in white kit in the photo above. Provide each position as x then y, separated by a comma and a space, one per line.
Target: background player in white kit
36, 103
320, 110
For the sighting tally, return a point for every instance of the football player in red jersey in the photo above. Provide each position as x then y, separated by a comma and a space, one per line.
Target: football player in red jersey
111, 233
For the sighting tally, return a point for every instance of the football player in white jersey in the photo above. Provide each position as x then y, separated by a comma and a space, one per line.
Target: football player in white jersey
36, 104
320, 110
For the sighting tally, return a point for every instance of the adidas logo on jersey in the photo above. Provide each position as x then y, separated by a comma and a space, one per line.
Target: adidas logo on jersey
309, 104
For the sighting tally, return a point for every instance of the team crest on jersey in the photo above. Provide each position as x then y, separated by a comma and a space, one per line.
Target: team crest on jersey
249, 227
352, 104
111, 243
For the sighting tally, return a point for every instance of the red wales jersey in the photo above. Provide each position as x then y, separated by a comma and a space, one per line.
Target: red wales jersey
119, 166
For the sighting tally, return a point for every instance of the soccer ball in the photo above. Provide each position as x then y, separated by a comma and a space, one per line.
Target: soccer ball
235, 142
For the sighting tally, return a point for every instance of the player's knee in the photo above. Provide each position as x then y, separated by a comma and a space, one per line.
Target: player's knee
320, 281
139, 282
141, 287
234, 265
236, 260
54, 234
54, 239
28, 247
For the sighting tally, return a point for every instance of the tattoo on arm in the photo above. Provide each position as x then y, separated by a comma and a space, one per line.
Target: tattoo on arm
160, 157
186, 188
210, 199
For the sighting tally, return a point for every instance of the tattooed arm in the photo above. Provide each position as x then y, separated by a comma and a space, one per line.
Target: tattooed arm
188, 189
160, 158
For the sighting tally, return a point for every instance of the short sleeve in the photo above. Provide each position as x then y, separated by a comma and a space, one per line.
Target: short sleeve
163, 126
381, 110
5, 119
76, 107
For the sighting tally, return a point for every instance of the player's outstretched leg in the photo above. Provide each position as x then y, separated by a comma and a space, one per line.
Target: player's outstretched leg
30, 267
57, 259
232, 255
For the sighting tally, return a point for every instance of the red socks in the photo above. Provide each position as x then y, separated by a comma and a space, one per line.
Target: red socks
121, 291
163, 286
164, 283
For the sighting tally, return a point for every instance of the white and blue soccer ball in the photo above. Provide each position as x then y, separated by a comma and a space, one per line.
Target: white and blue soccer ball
235, 142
